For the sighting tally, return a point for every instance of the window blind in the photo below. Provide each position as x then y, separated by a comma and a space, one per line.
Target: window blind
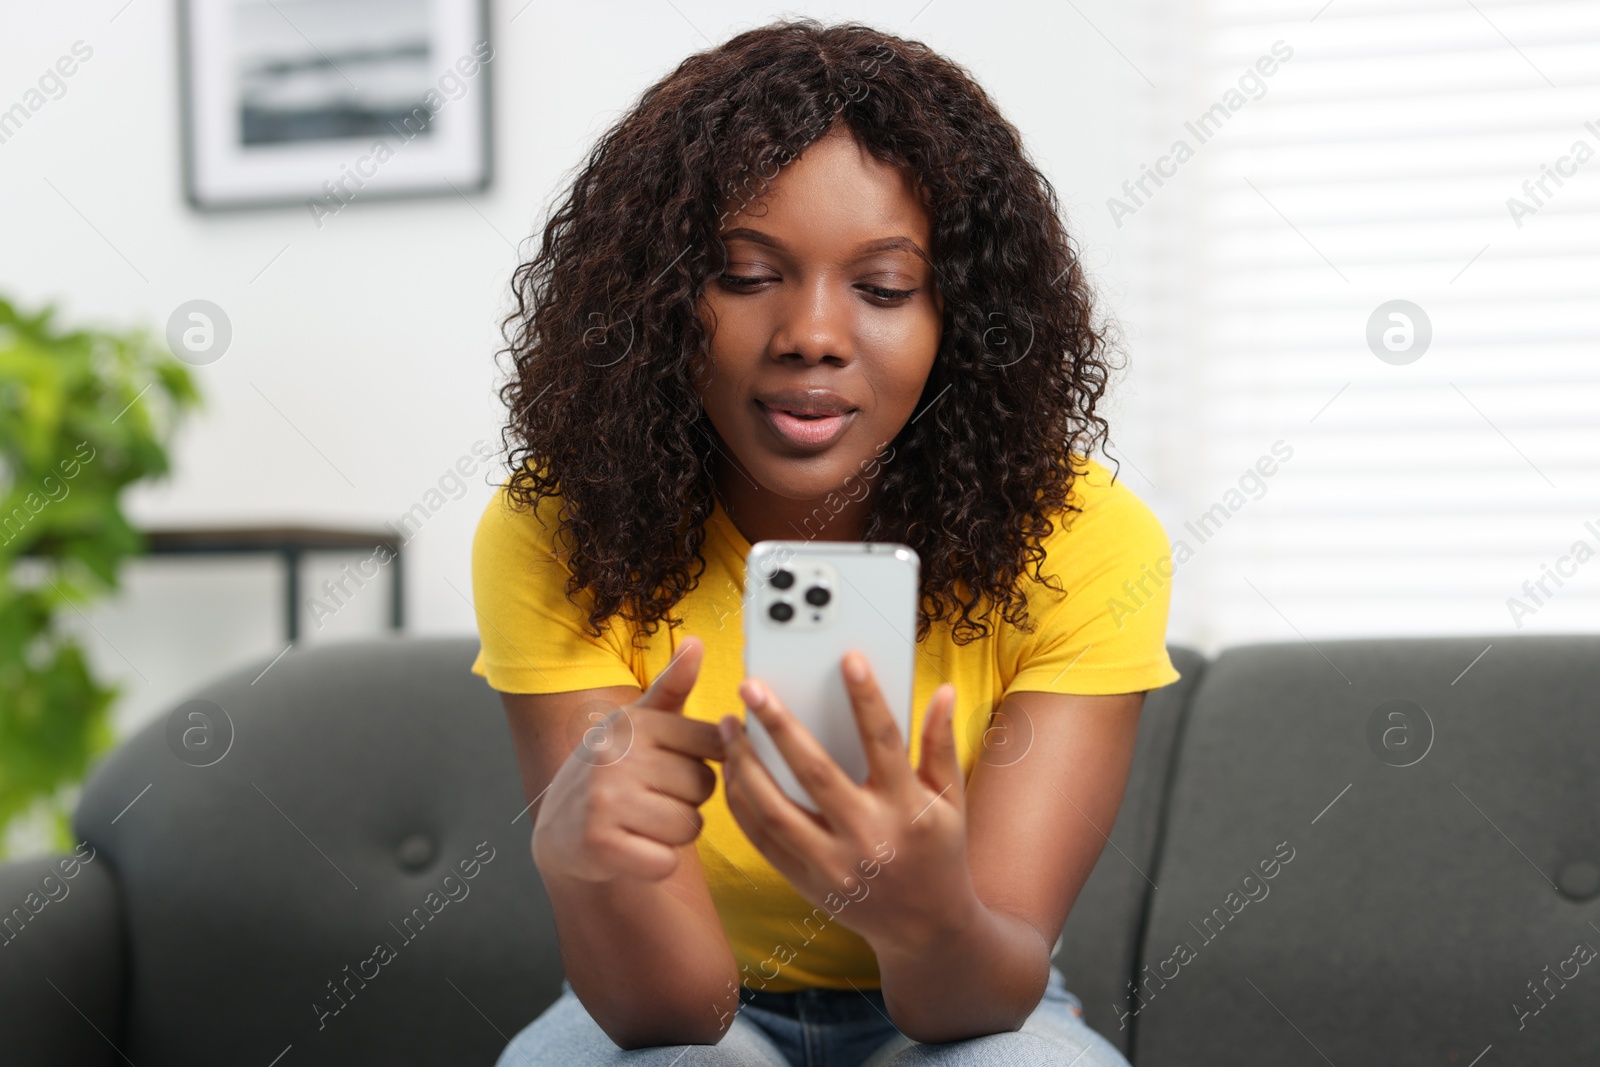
1378, 274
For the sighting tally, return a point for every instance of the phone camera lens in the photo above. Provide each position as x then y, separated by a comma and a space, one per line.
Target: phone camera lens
781, 611
817, 596
782, 579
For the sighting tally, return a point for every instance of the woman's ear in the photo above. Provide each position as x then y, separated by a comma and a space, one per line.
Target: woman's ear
701, 360
702, 370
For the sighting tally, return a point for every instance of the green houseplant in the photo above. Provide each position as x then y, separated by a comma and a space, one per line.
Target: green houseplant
83, 414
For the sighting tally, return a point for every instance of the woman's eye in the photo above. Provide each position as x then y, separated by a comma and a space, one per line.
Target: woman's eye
889, 294
750, 282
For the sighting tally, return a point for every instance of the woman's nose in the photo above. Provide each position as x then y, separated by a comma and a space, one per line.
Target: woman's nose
816, 324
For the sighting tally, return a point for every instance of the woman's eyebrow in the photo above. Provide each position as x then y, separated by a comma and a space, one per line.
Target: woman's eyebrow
866, 248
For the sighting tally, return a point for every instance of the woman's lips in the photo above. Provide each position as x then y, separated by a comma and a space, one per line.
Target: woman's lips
810, 434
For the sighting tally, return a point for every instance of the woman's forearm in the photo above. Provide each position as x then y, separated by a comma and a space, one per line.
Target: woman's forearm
985, 974
644, 963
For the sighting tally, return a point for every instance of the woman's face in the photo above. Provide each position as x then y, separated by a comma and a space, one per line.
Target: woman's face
826, 320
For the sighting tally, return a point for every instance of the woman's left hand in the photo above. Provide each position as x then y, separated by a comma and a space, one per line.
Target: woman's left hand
888, 858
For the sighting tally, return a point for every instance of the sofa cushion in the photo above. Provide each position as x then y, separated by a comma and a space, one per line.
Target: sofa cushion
1382, 851
331, 856
1100, 942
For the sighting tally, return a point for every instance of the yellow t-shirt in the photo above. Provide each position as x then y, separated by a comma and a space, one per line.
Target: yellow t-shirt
1107, 635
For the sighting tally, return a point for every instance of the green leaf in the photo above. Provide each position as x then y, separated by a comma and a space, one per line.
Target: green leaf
84, 415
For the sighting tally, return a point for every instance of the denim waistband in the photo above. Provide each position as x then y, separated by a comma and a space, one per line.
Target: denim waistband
818, 1004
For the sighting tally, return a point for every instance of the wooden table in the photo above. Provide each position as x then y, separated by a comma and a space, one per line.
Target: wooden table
289, 542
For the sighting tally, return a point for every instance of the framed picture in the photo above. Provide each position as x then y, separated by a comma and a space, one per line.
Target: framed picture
327, 102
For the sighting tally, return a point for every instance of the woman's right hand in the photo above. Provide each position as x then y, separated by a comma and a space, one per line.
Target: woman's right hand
629, 795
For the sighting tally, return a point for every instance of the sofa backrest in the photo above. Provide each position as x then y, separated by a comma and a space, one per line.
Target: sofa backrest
1381, 852
283, 822
1099, 950
1372, 851
332, 859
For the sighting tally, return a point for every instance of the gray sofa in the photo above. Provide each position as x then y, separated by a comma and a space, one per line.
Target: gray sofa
1352, 853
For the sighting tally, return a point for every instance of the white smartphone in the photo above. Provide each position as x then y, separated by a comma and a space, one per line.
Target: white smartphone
806, 603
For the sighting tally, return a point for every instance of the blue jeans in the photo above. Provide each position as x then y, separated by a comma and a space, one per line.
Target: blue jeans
819, 1028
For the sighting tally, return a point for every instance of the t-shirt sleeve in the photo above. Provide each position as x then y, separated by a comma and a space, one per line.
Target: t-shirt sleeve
532, 638
1107, 634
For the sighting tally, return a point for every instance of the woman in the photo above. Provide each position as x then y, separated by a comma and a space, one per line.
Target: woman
810, 287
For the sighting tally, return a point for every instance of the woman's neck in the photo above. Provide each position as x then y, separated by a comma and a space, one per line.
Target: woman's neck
762, 515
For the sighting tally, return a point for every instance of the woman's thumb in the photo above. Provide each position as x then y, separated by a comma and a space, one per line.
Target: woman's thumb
671, 688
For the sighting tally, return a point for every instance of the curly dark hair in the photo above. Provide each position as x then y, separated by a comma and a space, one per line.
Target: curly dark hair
605, 337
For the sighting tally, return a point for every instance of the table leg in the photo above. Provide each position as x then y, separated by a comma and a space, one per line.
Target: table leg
397, 617
291, 594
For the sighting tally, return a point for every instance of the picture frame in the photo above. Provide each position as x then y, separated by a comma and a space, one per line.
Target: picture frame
322, 103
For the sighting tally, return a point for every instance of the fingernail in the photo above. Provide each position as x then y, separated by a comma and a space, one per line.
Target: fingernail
728, 727
855, 667
754, 694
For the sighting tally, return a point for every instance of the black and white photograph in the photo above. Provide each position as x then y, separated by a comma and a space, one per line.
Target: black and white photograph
366, 75
331, 101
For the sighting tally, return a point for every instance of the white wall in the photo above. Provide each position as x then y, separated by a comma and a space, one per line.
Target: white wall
364, 352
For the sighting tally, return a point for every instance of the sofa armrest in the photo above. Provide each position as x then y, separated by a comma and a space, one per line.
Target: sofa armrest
61, 960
